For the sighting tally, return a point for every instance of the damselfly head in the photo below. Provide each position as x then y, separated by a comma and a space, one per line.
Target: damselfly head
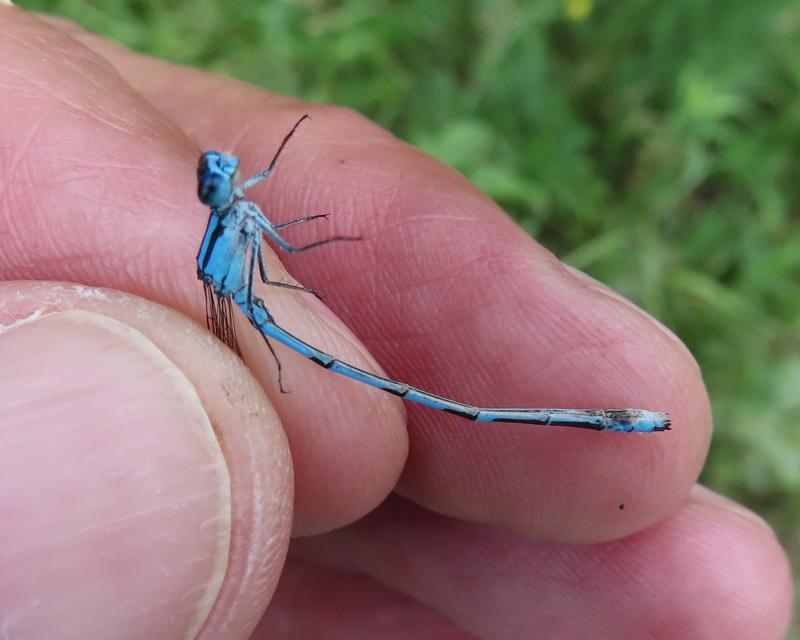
215, 177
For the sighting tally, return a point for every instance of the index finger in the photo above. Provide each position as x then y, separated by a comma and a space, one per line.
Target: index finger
98, 188
450, 295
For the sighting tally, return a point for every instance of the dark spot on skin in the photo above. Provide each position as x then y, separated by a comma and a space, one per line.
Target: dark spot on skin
341, 161
621, 507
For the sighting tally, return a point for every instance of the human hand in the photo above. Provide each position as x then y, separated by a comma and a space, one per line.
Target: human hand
146, 485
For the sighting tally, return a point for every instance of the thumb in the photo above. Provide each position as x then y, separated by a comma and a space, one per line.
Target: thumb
122, 469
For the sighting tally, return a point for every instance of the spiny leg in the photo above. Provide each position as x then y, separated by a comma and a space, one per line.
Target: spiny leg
295, 287
261, 268
264, 174
277, 362
266, 227
272, 283
255, 251
292, 249
291, 223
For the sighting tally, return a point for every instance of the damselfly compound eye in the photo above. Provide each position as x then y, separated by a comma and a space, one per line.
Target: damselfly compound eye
215, 175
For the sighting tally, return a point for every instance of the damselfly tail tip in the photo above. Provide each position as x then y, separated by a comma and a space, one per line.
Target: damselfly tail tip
637, 420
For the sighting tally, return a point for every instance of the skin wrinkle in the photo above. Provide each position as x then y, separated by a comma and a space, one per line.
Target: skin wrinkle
103, 183
446, 280
349, 606
415, 333
11, 165
77, 59
76, 110
617, 299
119, 524
349, 119
53, 240
479, 257
480, 370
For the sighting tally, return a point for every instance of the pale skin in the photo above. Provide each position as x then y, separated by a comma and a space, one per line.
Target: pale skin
478, 537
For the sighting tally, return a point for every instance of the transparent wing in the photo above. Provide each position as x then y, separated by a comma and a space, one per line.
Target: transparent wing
220, 319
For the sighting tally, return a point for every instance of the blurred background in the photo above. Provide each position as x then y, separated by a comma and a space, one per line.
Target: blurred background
655, 145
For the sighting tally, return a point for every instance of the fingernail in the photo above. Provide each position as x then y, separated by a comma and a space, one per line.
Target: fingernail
7, 3
114, 493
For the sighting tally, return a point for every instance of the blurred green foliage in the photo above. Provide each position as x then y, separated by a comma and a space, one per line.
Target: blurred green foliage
655, 145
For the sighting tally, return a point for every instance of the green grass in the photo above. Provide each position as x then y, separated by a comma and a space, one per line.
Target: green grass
655, 145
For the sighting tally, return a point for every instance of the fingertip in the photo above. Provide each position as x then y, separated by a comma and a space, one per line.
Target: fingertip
747, 567
116, 481
704, 572
120, 446
583, 348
